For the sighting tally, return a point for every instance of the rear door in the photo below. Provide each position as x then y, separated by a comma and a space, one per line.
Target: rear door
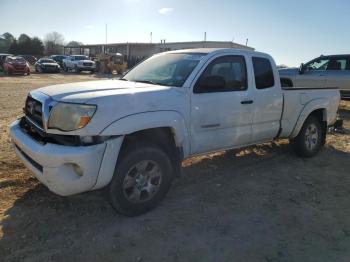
338, 73
268, 100
314, 74
221, 118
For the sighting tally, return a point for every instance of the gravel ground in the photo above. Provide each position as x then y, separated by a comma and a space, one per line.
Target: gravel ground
259, 203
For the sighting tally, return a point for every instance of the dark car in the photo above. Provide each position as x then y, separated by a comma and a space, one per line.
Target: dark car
29, 58
58, 59
2, 60
47, 65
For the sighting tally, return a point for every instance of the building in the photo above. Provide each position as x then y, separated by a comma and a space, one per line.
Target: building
135, 52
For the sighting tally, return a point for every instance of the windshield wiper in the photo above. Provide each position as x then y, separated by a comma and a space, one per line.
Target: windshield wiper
123, 79
149, 82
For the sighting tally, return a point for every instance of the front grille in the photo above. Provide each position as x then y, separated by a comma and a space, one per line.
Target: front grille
42, 138
33, 110
87, 64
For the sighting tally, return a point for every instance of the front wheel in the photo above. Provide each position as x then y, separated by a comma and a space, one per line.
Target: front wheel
310, 138
142, 178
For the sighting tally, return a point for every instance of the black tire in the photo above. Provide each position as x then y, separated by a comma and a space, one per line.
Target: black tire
65, 68
76, 69
307, 143
127, 164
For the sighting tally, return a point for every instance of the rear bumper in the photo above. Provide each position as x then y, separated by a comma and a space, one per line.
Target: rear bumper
67, 170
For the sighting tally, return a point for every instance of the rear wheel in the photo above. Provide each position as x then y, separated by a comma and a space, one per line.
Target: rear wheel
142, 178
310, 138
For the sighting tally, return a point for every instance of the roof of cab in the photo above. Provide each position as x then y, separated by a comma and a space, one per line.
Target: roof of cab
216, 50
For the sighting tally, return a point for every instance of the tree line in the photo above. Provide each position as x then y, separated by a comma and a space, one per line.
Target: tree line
25, 45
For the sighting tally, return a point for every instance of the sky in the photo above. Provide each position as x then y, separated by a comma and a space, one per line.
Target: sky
291, 31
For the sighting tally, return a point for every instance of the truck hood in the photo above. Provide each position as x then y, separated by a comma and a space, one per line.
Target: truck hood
86, 92
116, 99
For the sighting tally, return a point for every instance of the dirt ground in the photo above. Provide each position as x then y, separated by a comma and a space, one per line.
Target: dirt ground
260, 203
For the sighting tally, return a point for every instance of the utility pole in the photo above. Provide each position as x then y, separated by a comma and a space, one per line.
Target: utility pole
205, 39
246, 42
106, 40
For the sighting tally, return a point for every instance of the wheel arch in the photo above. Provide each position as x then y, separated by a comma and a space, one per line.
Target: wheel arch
148, 122
318, 108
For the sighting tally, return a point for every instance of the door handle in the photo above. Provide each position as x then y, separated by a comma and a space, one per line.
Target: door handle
247, 102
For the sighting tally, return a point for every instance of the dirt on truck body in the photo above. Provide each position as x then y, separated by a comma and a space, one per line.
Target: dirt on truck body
258, 203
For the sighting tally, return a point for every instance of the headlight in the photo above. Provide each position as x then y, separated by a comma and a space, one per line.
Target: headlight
80, 63
69, 117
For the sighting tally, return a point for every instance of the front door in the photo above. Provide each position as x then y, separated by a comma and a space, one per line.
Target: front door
314, 75
338, 73
221, 113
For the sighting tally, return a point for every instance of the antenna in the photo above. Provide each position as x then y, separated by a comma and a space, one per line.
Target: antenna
151, 37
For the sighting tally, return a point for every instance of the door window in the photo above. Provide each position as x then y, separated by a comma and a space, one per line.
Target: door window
317, 64
223, 74
337, 64
264, 77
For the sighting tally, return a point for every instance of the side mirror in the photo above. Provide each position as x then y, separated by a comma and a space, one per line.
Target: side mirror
302, 69
210, 84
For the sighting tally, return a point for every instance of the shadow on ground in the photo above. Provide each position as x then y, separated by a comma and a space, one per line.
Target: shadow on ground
261, 203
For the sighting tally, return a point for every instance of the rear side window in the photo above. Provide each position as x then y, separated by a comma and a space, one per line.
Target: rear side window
263, 73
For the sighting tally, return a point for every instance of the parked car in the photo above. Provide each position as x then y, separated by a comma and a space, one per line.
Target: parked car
79, 63
47, 65
132, 134
2, 60
29, 58
16, 65
58, 59
324, 71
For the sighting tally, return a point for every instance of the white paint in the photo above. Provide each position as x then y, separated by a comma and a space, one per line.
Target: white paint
201, 123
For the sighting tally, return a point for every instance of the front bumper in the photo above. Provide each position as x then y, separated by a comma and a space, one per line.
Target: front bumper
88, 68
67, 170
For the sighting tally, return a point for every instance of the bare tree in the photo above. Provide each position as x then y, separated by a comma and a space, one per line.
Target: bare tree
74, 43
54, 42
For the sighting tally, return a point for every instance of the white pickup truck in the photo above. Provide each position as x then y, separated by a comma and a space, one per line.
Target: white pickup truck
132, 134
79, 63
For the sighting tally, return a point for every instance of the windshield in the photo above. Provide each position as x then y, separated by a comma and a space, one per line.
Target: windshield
166, 69
81, 58
47, 61
16, 60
